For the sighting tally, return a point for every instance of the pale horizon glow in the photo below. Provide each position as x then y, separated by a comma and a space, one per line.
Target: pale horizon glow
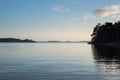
64, 20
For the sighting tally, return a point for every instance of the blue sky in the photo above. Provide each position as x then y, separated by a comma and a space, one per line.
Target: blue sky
55, 19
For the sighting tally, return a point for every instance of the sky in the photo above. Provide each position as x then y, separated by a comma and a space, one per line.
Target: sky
66, 20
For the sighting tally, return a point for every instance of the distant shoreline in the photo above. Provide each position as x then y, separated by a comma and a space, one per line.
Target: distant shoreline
15, 40
62, 41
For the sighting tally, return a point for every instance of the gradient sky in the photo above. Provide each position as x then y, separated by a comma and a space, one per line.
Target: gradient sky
55, 19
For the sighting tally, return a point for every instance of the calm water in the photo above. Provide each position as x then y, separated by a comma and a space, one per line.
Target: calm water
58, 61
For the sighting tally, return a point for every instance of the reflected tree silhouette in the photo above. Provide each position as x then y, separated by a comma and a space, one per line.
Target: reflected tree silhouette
107, 58
106, 53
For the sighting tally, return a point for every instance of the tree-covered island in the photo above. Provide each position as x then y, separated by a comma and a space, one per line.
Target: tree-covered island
106, 33
15, 40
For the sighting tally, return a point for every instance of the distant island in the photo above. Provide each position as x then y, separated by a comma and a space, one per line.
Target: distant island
15, 40
53, 41
106, 33
30, 40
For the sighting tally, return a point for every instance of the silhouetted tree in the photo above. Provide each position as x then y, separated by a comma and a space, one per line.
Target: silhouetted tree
107, 32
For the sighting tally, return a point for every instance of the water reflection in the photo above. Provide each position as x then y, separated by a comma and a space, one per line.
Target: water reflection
107, 59
107, 54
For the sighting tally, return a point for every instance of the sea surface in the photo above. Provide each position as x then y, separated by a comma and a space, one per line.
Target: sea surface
58, 61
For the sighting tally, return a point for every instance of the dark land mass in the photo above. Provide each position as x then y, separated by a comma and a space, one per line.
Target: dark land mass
108, 33
15, 40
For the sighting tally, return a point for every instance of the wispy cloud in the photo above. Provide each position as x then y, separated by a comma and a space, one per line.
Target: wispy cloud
60, 9
115, 16
89, 16
109, 10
